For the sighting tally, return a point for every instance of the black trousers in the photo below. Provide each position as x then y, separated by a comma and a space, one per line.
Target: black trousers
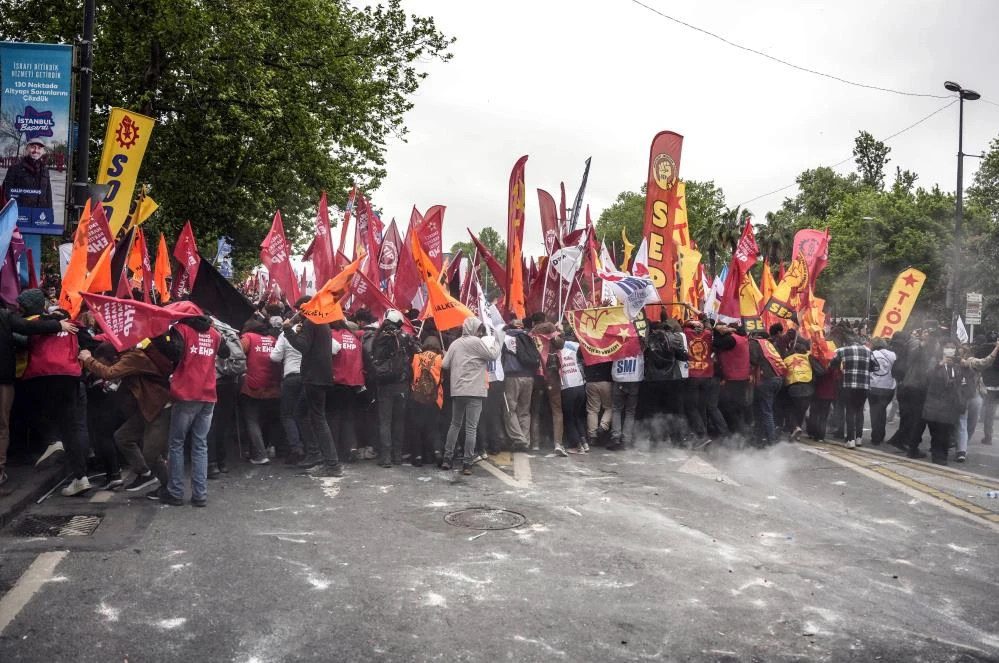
818, 417
701, 403
62, 407
732, 403
574, 415
910, 414
853, 400
341, 413
319, 438
940, 438
426, 435
879, 400
104, 416
490, 430
224, 431
795, 410
391, 421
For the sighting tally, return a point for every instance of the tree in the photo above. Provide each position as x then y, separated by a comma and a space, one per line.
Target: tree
257, 107
984, 191
628, 213
871, 156
775, 237
496, 245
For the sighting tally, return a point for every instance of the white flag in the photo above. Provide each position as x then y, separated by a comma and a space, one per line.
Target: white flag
633, 291
962, 332
566, 262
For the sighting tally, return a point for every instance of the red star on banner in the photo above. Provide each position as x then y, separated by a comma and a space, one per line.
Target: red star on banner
910, 280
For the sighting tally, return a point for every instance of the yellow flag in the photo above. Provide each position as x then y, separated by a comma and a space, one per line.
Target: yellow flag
628, 248
901, 299
689, 260
749, 297
144, 208
125, 144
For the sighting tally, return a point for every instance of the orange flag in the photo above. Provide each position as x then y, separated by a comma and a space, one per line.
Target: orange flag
161, 272
325, 306
448, 312
99, 280
75, 278
515, 298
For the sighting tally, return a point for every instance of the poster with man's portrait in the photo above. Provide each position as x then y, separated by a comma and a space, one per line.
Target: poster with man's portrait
35, 127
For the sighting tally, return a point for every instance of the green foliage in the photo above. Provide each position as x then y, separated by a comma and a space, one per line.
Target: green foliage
496, 245
259, 106
984, 191
871, 156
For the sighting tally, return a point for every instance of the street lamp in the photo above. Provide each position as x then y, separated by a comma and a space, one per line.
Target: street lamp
870, 241
963, 95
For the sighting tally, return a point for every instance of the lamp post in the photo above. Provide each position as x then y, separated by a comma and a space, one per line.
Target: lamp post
963, 95
870, 241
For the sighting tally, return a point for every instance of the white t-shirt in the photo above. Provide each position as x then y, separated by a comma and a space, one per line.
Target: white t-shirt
882, 378
629, 369
569, 369
494, 369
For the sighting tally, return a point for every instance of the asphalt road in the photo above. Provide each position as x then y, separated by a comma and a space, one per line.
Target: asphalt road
790, 554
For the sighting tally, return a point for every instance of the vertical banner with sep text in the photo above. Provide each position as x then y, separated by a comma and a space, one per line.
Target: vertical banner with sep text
35, 150
661, 203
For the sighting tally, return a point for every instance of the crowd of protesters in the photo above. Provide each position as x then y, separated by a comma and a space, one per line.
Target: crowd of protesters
397, 390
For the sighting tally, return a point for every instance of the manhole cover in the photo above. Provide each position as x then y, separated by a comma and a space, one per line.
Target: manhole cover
75, 525
485, 518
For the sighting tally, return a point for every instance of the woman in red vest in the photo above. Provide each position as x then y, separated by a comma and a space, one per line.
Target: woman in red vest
260, 395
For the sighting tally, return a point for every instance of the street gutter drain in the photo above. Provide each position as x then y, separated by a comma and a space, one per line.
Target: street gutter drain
485, 518
48, 526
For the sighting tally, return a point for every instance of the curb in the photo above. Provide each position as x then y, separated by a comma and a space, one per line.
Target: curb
24, 496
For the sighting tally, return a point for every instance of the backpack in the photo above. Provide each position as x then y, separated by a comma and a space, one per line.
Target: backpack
659, 351
527, 353
390, 363
235, 364
425, 385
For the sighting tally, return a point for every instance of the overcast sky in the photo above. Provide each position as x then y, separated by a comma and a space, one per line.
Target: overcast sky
562, 80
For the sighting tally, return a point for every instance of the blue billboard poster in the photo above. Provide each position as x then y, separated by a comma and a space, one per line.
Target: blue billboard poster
35, 148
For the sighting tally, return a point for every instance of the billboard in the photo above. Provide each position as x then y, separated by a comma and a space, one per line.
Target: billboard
35, 125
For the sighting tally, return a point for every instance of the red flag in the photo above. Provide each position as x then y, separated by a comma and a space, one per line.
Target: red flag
430, 234
744, 257
549, 222
346, 218
370, 296
98, 235
276, 257
604, 334
467, 286
495, 268
407, 276
515, 240
368, 237
813, 246
661, 203
561, 206
126, 322
388, 255
186, 253
322, 246
32, 276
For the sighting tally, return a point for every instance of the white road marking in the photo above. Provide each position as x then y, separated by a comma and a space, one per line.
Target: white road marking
701, 468
501, 475
522, 468
102, 496
28, 584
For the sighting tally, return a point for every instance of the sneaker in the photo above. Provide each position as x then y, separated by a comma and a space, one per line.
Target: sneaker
385, 462
76, 487
353, 455
213, 471
141, 481
260, 461
329, 471
271, 452
960, 456
467, 470
293, 458
535, 447
796, 435
153, 495
309, 462
859, 441
52, 450
113, 482
584, 448
849, 444
167, 498
201, 503
560, 451
369, 453
446, 464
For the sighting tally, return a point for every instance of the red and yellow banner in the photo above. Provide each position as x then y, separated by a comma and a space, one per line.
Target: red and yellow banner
604, 334
661, 205
901, 300
125, 144
514, 241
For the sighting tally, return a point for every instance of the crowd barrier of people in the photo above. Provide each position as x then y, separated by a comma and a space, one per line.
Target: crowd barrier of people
318, 396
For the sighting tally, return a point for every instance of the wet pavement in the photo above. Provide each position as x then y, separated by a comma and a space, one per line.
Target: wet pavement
788, 554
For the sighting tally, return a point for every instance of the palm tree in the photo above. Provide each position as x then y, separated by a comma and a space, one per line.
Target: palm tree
775, 238
721, 235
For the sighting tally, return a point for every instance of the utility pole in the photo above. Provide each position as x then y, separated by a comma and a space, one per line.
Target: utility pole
81, 185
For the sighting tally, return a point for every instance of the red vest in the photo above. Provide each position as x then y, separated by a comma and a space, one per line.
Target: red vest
194, 377
735, 362
701, 363
263, 376
348, 364
52, 354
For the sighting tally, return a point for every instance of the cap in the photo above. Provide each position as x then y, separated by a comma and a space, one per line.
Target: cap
37, 141
392, 315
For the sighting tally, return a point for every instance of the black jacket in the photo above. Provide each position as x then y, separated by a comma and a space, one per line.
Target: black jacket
11, 323
315, 342
28, 181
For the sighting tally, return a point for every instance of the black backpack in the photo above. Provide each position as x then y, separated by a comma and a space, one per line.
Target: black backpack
389, 358
659, 352
527, 352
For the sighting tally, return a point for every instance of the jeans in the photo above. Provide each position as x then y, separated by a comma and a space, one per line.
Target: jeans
319, 439
259, 413
154, 437
623, 419
766, 394
194, 417
467, 408
599, 408
968, 422
293, 410
517, 417
879, 400
391, 421
853, 401
574, 415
